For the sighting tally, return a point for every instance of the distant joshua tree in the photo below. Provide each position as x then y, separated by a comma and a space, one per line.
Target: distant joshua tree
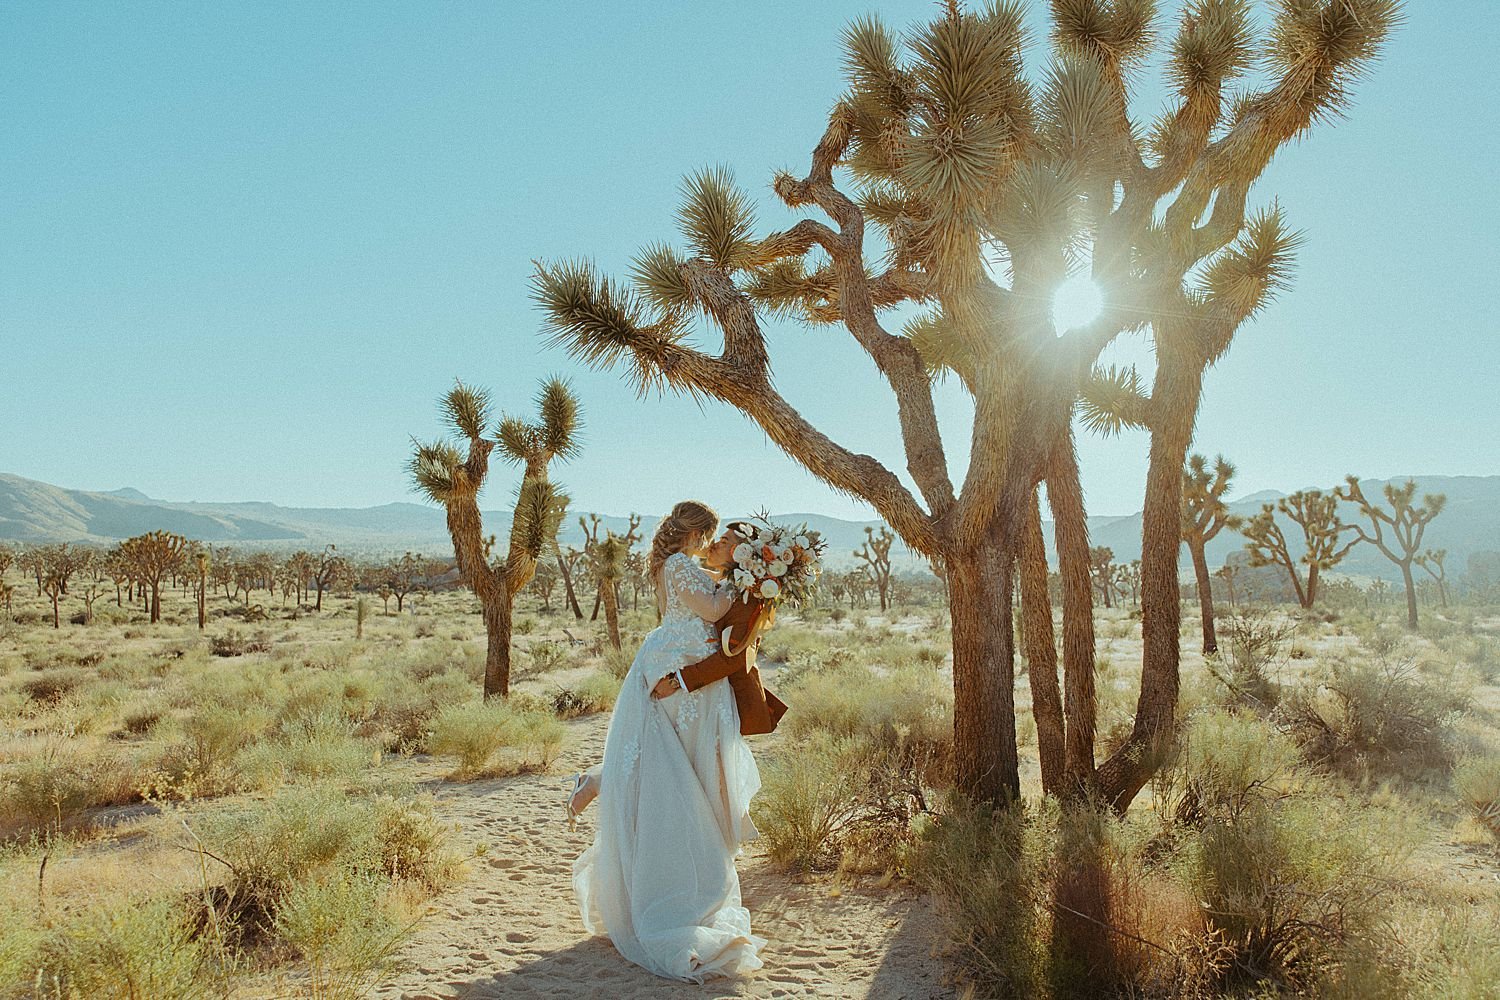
608, 565
1316, 513
1101, 567
454, 478
202, 566
1398, 532
1432, 561
327, 571
956, 158
1204, 515
545, 583
153, 558
875, 553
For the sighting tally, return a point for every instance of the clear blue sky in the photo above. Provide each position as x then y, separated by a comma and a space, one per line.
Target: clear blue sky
244, 247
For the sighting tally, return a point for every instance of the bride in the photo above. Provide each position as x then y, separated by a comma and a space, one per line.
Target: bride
675, 790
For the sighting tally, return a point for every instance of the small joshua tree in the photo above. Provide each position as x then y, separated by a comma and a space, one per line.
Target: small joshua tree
1204, 515
1101, 568
329, 568
608, 560
1316, 513
454, 478
153, 558
1432, 561
875, 553
1397, 532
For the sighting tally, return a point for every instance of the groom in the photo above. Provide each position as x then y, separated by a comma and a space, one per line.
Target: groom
736, 641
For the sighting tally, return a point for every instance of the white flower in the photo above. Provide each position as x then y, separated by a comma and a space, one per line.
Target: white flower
742, 553
800, 541
784, 554
757, 565
777, 568
744, 579
769, 589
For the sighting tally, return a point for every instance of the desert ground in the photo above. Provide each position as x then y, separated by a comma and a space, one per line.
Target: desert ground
274, 808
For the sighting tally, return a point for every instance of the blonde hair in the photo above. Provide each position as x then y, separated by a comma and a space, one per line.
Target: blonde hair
688, 518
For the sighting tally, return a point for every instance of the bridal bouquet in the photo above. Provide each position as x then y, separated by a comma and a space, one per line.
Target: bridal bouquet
776, 562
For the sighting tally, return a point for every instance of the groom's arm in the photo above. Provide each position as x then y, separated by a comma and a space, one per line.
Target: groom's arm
717, 666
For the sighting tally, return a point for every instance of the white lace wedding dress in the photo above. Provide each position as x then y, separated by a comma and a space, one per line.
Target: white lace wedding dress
674, 805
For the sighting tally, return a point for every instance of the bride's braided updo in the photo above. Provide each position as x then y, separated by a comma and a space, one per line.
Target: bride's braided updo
688, 519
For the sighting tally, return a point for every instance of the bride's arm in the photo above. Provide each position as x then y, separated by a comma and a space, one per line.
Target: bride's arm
697, 590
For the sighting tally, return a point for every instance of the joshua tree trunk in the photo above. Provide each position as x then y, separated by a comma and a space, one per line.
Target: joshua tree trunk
1125, 773
611, 612
1205, 597
1411, 596
984, 727
567, 579
1041, 651
497, 630
1070, 525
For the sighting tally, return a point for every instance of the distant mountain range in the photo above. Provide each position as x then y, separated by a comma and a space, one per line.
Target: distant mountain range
32, 511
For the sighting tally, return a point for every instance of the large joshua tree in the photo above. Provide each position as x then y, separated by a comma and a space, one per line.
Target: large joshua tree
957, 160
1206, 265
1397, 532
454, 478
1204, 515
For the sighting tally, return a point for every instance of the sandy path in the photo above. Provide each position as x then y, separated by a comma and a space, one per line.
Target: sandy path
512, 928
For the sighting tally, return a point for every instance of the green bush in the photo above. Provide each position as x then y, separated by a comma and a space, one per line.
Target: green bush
342, 931
1375, 715
126, 950
471, 733
595, 693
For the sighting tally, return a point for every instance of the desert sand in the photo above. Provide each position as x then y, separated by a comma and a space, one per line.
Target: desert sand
512, 929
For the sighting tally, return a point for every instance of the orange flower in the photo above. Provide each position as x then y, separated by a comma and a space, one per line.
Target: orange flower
766, 553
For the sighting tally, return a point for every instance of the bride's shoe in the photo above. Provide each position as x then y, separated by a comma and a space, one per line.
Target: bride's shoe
580, 780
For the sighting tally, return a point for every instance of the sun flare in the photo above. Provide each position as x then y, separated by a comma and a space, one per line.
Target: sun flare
1076, 302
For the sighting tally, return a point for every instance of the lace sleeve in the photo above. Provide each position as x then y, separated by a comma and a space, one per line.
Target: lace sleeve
696, 589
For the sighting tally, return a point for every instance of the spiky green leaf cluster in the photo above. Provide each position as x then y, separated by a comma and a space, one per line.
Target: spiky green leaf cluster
1117, 33
602, 323
540, 508
1113, 399
716, 220
433, 469
467, 409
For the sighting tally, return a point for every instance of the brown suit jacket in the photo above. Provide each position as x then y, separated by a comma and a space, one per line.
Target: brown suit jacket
760, 710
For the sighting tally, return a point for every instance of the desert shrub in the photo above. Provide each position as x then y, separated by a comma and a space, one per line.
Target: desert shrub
595, 693
126, 949
342, 931
617, 661
1477, 780
232, 643
837, 615
546, 655
524, 625
473, 732
985, 869
1223, 764
414, 845
406, 706
1375, 715
51, 686
1252, 643
316, 747
809, 799
204, 760
52, 790
1287, 883
910, 708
